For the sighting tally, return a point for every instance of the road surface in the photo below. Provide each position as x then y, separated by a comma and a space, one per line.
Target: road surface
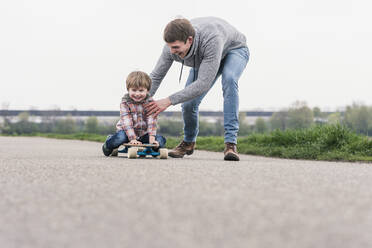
63, 193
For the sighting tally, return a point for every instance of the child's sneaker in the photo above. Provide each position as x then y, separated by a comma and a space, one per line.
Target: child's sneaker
105, 150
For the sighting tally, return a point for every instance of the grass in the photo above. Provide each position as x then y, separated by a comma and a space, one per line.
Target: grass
329, 142
333, 142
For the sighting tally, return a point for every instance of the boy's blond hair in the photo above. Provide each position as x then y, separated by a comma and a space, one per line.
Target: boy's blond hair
137, 79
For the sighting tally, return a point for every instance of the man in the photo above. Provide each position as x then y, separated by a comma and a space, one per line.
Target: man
212, 47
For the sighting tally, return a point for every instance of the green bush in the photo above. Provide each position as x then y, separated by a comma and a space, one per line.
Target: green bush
330, 142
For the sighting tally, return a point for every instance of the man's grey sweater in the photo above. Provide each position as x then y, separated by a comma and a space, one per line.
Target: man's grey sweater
214, 38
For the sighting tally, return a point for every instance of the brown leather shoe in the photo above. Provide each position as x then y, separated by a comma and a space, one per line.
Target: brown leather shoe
230, 152
182, 149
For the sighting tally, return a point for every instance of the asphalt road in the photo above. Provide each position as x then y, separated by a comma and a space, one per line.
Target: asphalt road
61, 193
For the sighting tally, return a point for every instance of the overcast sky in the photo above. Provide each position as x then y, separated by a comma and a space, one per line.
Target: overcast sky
76, 54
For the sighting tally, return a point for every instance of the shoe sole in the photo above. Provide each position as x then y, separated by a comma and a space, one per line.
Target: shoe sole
170, 154
106, 152
231, 157
175, 156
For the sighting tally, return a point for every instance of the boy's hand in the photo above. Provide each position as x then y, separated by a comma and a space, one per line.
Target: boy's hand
135, 142
153, 141
156, 107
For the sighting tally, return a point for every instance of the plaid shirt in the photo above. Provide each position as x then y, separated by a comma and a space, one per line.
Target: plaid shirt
133, 119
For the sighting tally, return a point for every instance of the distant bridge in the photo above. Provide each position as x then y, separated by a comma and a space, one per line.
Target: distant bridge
117, 113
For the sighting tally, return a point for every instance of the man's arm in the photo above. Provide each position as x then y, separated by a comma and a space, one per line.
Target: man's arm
207, 73
162, 66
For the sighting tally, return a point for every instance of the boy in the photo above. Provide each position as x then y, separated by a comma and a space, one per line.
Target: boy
134, 126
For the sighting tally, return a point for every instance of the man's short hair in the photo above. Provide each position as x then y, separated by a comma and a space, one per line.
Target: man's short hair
178, 29
138, 79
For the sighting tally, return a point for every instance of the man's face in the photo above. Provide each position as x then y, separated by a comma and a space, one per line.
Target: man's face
137, 94
180, 48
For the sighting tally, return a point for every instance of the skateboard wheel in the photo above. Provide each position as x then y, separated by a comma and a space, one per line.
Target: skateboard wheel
132, 152
163, 153
115, 152
141, 149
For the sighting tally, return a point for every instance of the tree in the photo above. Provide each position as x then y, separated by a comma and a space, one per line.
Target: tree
22, 126
334, 118
358, 117
317, 112
206, 128
300, 116
91, 125
219, 129
260, 125
242, 117
279, 120
170, 127
5, 127
66, 126
319, 116
244, 127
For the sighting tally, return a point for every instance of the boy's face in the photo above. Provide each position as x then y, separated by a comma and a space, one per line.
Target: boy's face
180, 48
137, 94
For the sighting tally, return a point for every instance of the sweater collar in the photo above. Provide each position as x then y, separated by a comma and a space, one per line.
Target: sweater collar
127, 99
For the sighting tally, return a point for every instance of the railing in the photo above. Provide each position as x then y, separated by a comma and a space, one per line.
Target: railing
116, 113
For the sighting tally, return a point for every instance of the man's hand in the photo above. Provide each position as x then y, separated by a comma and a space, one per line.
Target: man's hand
156, 107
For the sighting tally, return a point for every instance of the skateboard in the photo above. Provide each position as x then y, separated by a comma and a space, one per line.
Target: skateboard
141, 151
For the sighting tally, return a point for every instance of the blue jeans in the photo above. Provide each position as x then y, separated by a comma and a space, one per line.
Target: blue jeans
231, 68
120, 137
